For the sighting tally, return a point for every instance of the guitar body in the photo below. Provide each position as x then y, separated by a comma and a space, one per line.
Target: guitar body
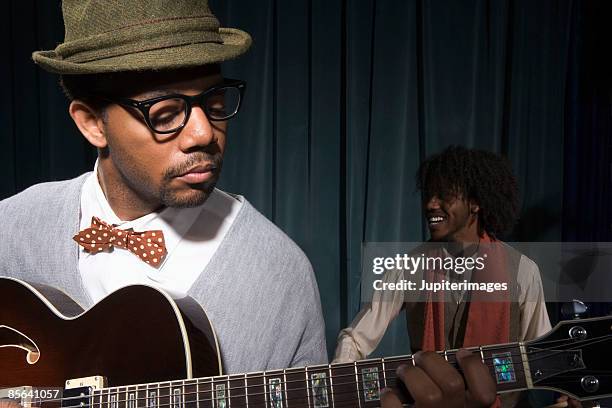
135, 335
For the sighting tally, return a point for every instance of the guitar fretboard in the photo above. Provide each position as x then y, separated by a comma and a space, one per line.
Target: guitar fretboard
357, 384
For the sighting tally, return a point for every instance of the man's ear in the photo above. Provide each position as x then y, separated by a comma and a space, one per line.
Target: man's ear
89, 121
474, 207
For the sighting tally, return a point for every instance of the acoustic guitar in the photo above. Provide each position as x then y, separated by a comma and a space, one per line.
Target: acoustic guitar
138, 348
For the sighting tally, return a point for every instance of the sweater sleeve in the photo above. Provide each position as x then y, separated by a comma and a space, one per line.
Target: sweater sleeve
312, 348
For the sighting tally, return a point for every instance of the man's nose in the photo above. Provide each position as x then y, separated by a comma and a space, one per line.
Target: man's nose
433, 203
198, 130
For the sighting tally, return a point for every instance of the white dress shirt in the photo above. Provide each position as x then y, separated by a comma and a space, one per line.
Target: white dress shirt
192, 237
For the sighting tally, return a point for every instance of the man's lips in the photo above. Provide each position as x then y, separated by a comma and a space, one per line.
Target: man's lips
198, 174
433, 220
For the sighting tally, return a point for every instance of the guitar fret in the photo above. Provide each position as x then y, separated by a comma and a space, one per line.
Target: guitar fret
274, 382
451, 357
104, 402
357, 383
164, 398
382, 361
190, 394
220, 392
96, 399
205, 395
246, 390
228, 393
331, 385
265, 384
237, 395
370, 383
152, 396
285, 388
296, 388
213, 395
141, 398
112, 398
123, 400
525, 361
176, 395
344, 385
319, 387
198, 394
307, 387
255, 384
391, 364
131, 395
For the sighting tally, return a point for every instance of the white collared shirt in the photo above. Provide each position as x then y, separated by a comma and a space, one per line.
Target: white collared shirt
192, 237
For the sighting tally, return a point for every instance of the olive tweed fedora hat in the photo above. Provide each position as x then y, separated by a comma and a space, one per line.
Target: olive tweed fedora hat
133, 35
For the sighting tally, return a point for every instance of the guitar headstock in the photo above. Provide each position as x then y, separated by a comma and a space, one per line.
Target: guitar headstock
574, 358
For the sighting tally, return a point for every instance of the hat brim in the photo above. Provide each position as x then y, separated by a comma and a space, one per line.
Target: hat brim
235, 43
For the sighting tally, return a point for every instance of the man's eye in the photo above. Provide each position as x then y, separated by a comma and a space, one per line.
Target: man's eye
164, 117
168, 114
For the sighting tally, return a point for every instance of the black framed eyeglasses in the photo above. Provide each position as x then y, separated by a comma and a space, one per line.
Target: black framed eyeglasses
169, 113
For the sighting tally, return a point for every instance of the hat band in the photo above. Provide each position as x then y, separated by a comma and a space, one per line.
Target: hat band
140, 38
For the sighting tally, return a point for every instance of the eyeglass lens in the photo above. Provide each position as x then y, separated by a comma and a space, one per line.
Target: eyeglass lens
169, 114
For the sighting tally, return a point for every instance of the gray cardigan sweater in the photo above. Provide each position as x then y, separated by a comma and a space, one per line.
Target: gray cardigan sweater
258, 290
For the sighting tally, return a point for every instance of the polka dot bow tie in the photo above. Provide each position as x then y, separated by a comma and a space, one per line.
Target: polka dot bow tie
149, 246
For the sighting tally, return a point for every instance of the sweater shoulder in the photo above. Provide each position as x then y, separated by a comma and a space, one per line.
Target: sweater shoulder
41, 198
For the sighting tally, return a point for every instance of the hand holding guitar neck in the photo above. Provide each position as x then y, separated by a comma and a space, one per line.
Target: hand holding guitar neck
433, 382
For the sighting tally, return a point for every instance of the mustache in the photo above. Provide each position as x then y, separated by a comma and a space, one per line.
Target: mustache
196, 158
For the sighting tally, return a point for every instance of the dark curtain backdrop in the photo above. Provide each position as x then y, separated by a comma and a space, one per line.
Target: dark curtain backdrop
345, 98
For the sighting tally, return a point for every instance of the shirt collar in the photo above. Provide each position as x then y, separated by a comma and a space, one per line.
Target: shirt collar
173, 222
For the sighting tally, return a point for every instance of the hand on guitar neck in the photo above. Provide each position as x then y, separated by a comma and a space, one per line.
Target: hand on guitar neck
433, 382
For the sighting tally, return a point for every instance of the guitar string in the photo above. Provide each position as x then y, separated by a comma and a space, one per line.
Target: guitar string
263, 402
308, 390
285, 397
323, 369
264, 398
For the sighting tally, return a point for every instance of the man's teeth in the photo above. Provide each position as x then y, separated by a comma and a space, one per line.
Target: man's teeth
436, 219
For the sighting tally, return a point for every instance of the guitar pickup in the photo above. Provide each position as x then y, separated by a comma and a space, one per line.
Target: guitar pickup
95, 382
78, 391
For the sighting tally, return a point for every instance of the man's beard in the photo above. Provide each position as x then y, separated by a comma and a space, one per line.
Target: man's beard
199, 193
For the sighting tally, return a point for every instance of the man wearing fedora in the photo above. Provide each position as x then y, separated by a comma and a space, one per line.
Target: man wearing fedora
147, 92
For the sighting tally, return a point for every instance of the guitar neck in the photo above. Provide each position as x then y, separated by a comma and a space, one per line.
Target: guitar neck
355, 384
